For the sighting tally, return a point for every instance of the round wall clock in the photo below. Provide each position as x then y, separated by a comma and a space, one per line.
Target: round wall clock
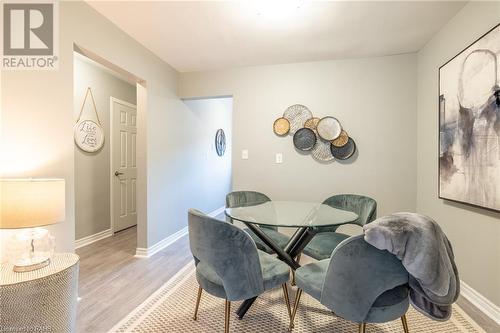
220, 142
89, 136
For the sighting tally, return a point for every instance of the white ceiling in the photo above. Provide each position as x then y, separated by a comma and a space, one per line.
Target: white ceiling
194, 36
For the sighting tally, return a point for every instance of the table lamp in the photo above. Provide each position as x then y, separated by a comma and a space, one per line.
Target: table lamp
28, 204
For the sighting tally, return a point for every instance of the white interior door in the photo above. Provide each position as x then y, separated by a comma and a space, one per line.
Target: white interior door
123, 164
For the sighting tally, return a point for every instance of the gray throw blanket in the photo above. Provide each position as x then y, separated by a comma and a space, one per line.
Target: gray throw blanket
427, 255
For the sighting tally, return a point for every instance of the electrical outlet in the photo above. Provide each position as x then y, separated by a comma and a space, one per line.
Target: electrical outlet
244, 154
279, 158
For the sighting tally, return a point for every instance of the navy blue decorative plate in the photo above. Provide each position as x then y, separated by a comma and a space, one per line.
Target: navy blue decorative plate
344, 152
304, 139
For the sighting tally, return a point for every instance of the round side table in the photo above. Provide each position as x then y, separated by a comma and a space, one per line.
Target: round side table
43, 300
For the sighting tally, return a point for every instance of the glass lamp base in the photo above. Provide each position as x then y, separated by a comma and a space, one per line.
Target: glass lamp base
31, 264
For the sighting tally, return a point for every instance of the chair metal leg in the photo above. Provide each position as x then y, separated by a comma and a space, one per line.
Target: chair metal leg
226, 317
362, 328
295, 306
405, 324
287, 300
197, 304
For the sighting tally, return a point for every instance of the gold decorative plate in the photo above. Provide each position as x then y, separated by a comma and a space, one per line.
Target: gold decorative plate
341, 141
281, 126
312, 123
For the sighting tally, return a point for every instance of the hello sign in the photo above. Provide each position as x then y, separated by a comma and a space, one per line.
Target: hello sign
89, 135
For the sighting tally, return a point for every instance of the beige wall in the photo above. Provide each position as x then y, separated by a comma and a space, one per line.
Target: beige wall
375, 99
92, 170
474, 232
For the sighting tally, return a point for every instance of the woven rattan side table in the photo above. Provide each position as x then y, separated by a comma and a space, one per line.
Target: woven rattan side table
43, 300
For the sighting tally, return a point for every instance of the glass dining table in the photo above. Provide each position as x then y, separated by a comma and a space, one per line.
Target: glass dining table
306, 217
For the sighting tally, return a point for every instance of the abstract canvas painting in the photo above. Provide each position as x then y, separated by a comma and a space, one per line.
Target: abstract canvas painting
469, 124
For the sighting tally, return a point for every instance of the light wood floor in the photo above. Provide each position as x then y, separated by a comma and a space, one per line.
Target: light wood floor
484, 321
113, 282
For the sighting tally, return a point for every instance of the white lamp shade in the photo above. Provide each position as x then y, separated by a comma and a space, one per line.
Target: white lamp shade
27, 203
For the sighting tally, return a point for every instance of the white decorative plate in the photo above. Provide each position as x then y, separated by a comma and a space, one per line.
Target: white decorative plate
297, 115
89, 136
322, 151
329, 128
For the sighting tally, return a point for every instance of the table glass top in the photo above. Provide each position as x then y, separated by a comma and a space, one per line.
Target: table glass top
291, 214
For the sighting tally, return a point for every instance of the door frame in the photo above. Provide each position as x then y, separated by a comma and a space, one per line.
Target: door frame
113, 100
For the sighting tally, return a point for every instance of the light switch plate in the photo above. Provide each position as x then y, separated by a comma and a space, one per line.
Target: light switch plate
244, 154
279, 158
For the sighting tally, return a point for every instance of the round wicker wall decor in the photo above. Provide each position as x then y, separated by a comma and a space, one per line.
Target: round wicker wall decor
297, 115
281, 126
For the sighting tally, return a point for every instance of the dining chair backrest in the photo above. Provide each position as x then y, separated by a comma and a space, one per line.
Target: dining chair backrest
357, 275
245, 199
364, 206
229, 252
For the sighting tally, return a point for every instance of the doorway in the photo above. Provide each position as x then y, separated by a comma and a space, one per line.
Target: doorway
105, 203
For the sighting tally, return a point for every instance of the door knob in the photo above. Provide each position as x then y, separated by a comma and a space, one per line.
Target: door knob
117, 173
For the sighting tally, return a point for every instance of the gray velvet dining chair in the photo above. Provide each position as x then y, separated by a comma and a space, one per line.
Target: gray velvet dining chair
229, 265
252, 198
359, 283
327, 238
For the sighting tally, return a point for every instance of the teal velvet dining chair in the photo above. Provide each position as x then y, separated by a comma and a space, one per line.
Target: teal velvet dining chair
252, 198
323, 243
359, 283
229, 265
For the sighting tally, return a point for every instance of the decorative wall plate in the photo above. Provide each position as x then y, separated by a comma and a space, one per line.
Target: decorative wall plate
220, 142
312, 123
304, 139
281, 126
89, 135
322, 151
344, 152
297, 115
324, 137
341, 140
329, 128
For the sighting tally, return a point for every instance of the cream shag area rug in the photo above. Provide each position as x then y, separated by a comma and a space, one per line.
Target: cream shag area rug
170, 309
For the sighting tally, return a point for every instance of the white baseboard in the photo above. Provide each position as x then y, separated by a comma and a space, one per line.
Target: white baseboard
480, 302
142, 252
92, 238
